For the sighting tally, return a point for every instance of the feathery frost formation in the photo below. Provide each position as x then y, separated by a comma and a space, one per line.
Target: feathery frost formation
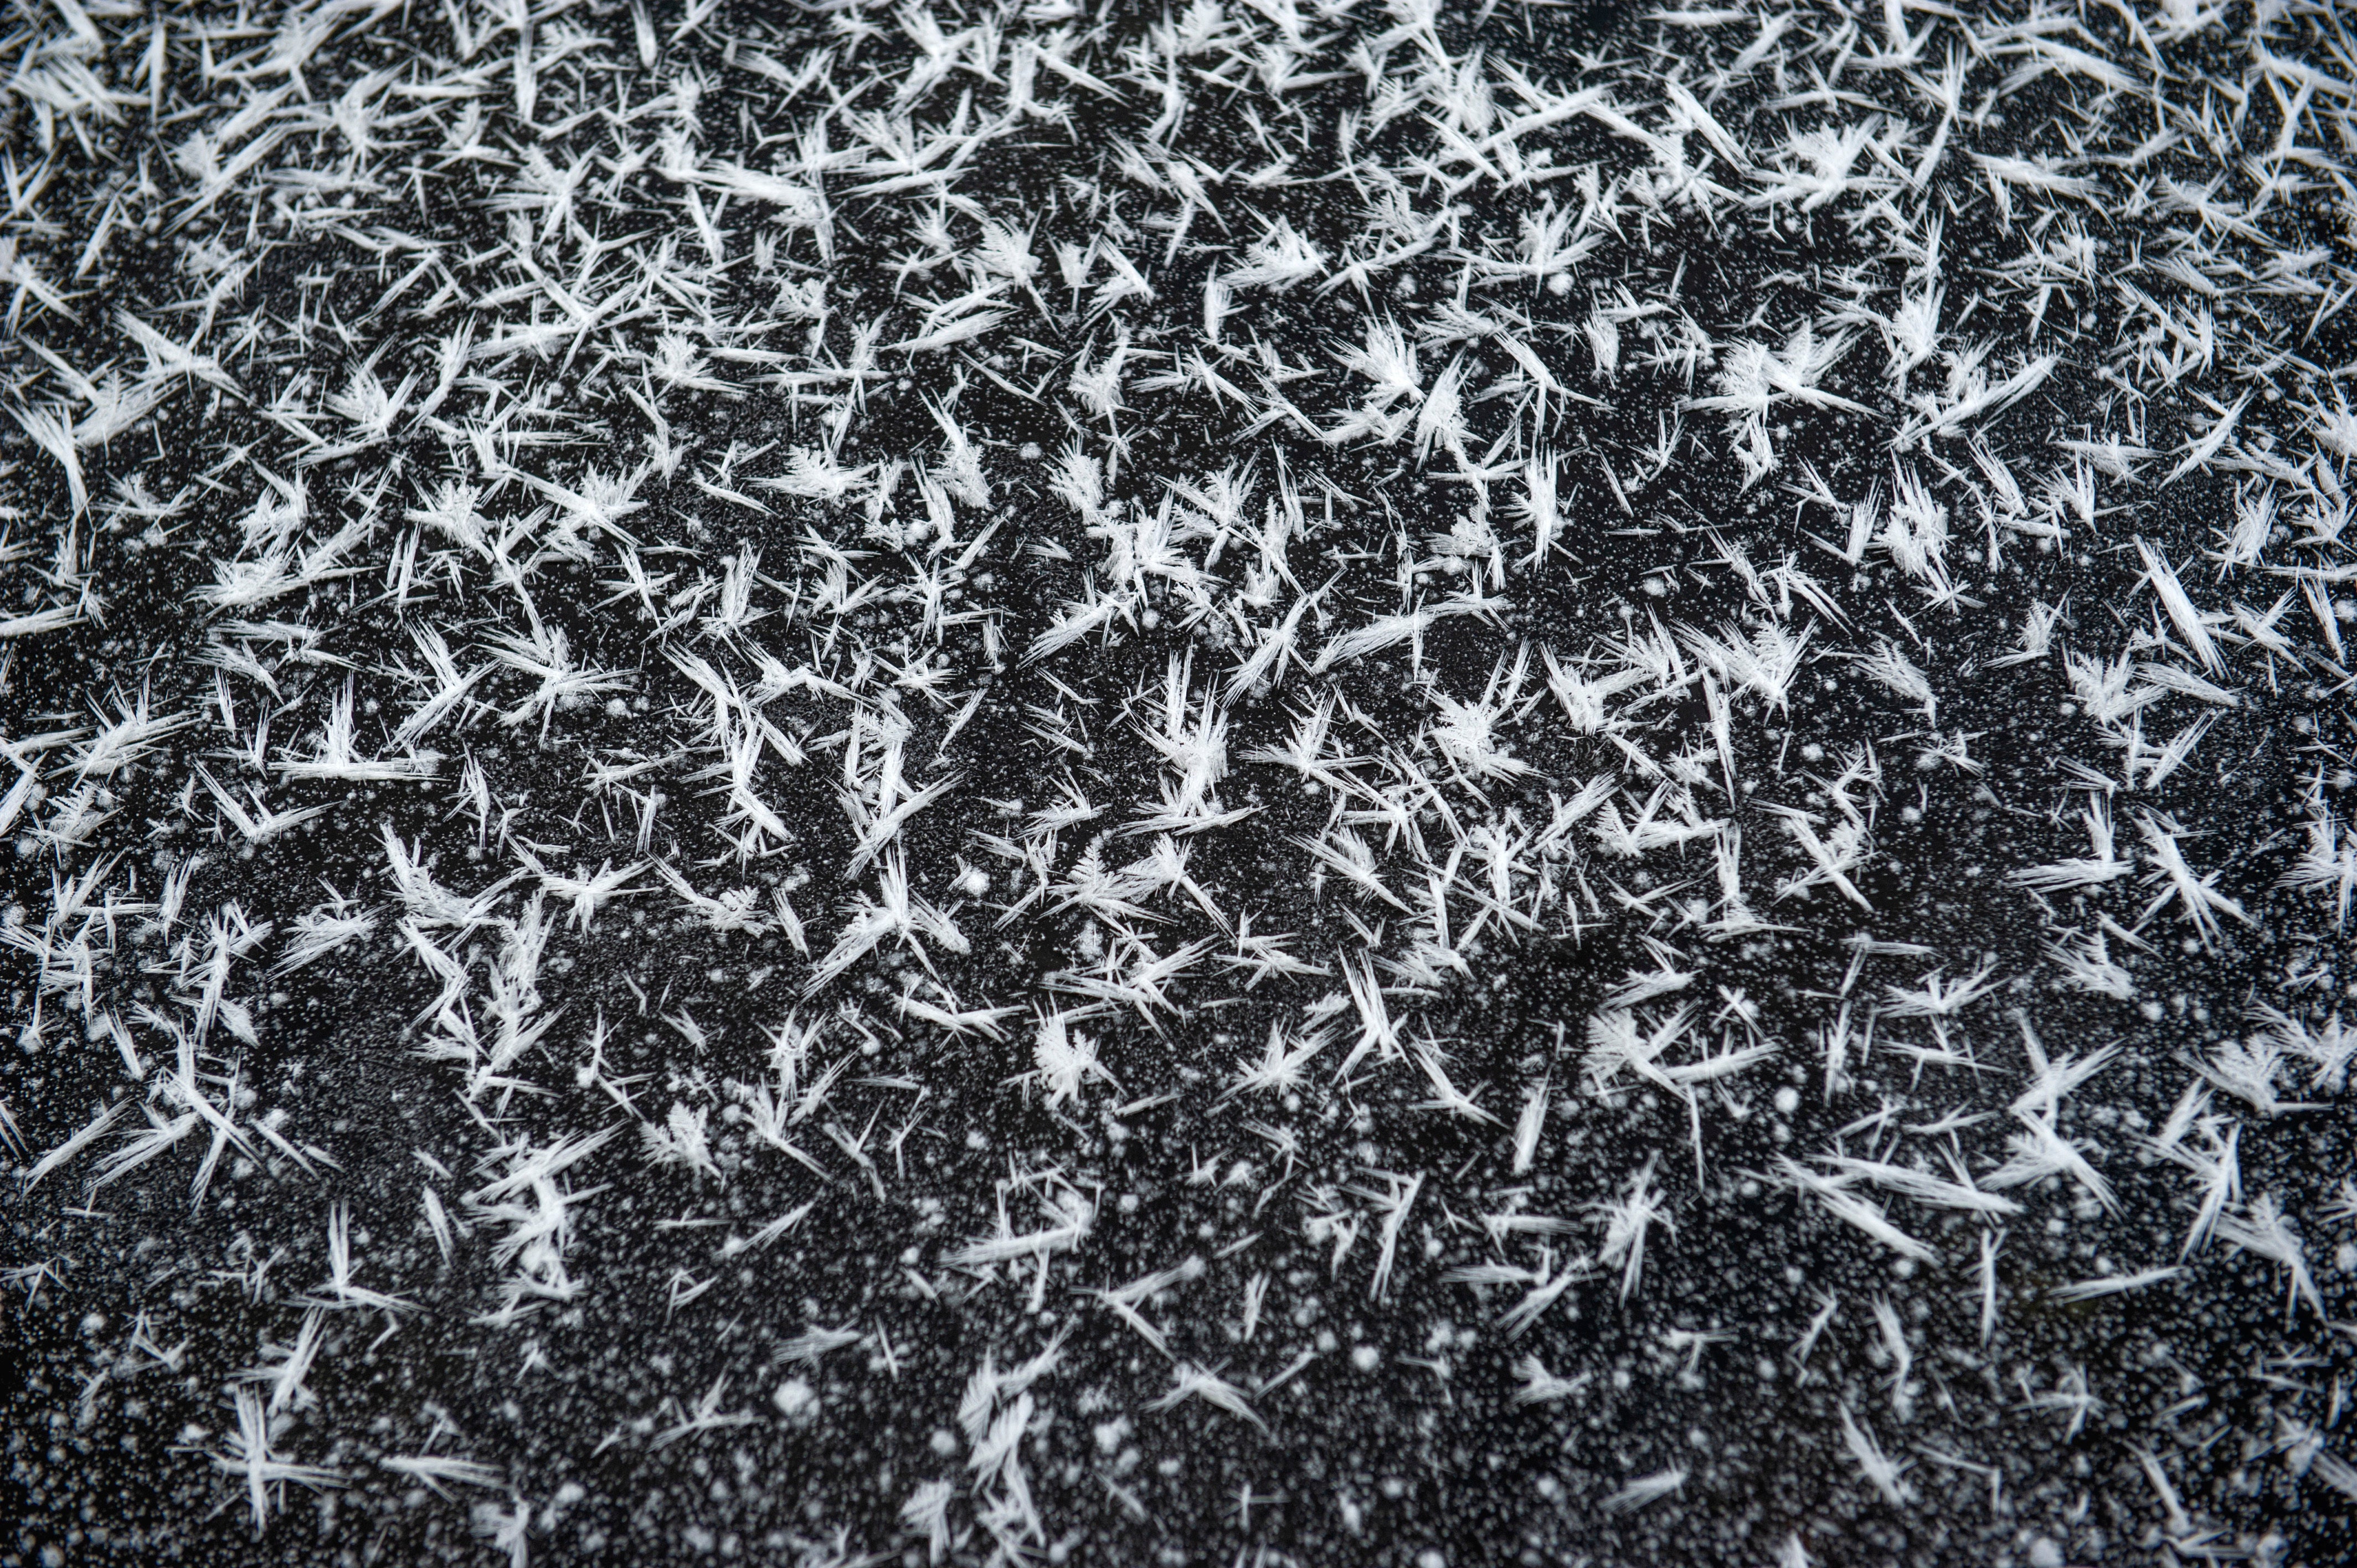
1336, 783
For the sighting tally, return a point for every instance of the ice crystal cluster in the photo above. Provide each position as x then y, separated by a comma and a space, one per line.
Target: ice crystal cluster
1234, 781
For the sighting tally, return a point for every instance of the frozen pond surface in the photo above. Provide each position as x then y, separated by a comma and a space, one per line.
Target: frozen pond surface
1247, 783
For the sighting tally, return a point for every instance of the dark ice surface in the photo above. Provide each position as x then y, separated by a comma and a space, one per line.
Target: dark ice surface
1247, 783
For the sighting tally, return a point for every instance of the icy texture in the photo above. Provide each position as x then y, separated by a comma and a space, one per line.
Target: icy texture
1354, 784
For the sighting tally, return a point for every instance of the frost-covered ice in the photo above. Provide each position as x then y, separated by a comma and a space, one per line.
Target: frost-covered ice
1231, 783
